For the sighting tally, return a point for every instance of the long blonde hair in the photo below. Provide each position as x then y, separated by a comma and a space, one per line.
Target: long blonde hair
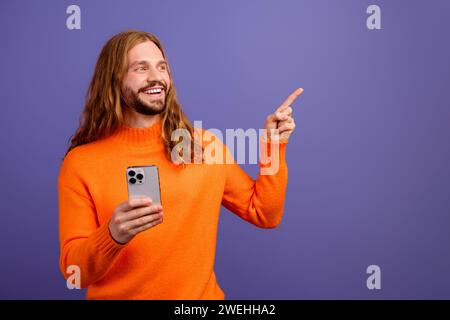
102, 114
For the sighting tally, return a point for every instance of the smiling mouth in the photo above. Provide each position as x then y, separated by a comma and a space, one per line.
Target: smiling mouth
155, 92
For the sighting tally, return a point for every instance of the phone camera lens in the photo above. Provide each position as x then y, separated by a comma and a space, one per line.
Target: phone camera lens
132, 180
131, 173
139, 176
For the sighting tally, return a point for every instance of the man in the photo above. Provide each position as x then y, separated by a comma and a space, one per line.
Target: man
134, 249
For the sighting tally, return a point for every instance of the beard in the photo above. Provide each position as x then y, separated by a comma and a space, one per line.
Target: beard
143, 104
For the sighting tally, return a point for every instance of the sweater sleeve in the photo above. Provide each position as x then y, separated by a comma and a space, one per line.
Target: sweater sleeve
259, 201
83, 242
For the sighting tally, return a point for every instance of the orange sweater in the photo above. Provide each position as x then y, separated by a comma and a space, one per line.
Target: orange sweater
175, 259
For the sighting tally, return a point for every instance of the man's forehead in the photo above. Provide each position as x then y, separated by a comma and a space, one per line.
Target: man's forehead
145, 51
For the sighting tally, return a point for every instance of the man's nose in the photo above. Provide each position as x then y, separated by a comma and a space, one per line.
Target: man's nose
154, 75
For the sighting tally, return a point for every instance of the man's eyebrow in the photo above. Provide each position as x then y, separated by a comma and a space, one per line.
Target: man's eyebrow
146, 62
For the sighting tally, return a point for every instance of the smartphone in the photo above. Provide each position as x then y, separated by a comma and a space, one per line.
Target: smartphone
143, 181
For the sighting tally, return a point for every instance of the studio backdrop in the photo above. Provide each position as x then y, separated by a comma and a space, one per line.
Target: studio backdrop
367, 208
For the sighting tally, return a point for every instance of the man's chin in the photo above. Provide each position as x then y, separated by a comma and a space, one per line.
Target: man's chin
146, 109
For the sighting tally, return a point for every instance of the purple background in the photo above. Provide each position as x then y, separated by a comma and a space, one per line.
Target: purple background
369, 177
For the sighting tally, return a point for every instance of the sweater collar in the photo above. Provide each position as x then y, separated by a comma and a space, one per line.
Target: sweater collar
140, 136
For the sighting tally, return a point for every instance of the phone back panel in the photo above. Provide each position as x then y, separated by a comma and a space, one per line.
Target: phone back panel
143, 181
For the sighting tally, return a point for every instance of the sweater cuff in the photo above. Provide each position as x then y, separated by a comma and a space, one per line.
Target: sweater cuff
272, 154
104, 242
272, 157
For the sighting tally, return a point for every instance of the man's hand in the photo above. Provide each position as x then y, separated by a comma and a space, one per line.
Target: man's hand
132, 217
282, 118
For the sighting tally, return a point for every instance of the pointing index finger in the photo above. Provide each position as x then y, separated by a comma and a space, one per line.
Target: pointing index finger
291, 98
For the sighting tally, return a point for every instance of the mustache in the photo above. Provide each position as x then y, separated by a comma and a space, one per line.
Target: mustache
154, 83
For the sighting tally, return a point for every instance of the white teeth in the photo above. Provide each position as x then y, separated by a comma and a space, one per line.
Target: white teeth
158, 90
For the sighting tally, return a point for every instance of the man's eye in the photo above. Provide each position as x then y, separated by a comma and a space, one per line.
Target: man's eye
163, 68
140, 69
